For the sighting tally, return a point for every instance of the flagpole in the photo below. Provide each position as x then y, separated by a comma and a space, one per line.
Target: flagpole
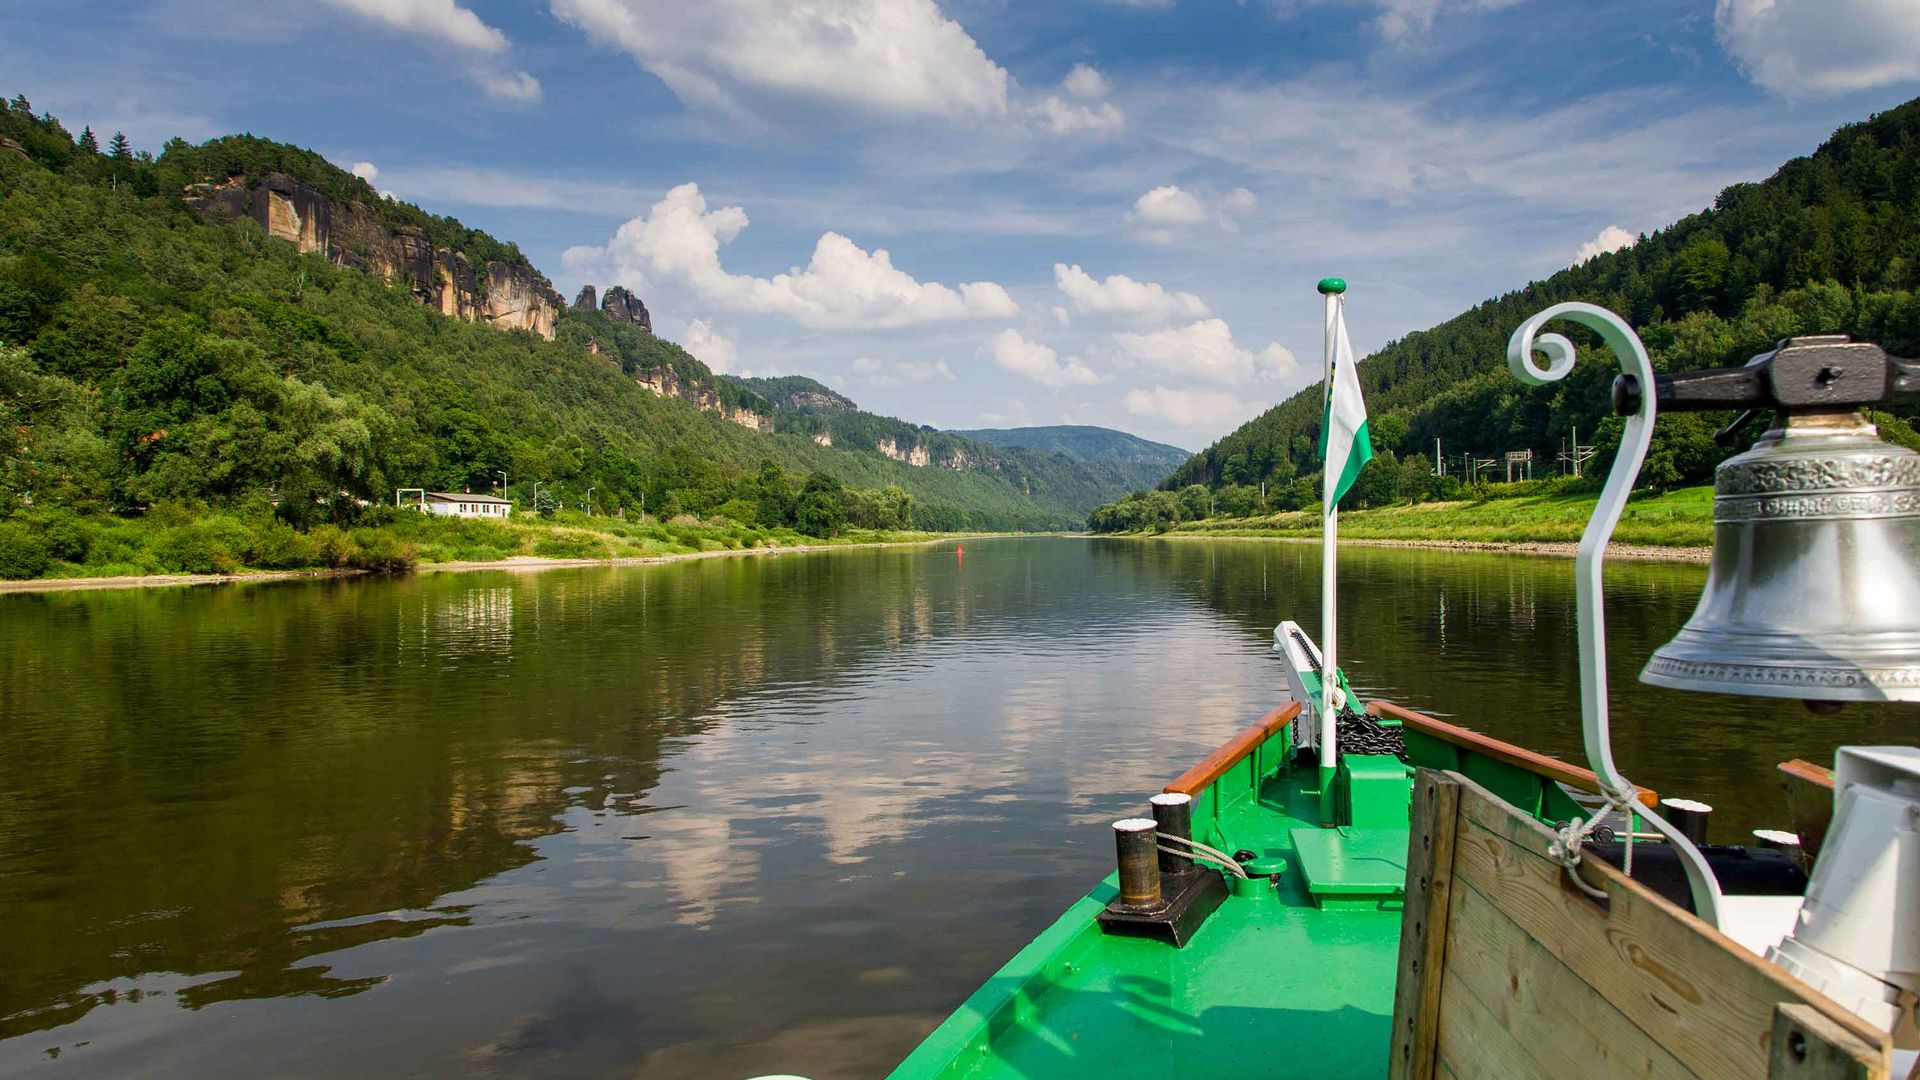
1331, 288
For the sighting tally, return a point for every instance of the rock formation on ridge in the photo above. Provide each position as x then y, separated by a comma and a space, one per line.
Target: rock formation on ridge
501, 294
626, 307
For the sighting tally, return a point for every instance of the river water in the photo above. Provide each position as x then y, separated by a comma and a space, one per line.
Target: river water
709, 819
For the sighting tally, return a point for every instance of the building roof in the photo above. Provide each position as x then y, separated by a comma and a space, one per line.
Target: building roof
458, 496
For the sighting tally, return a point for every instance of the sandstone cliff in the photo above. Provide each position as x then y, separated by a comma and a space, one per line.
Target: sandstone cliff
626, 307
499, 294
666, 382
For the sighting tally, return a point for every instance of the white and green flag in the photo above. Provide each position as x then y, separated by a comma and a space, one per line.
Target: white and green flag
1343, 426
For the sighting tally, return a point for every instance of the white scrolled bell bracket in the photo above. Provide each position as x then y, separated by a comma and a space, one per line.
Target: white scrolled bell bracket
1590, 614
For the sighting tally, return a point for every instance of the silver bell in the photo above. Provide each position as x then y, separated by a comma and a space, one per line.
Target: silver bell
1814, 590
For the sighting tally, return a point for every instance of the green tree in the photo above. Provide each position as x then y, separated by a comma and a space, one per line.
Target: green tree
118, 148
88, 144
821, 511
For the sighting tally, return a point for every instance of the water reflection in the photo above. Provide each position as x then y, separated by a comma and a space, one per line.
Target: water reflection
717, 818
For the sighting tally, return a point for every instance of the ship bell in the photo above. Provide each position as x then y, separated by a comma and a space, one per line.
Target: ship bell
1814, 587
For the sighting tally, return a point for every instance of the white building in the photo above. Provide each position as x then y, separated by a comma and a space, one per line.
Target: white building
461, 504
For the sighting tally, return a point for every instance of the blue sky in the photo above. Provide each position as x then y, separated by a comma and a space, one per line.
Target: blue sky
981, 212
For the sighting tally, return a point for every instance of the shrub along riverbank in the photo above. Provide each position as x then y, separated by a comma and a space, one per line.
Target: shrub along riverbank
1679, 518
194, 540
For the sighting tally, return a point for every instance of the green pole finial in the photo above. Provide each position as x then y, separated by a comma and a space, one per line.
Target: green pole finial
1332, 286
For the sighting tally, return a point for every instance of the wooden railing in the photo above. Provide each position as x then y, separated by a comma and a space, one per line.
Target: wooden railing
1486, 746
1234, 751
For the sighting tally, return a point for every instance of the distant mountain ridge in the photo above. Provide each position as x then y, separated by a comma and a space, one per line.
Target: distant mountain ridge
1084, 442
795, 392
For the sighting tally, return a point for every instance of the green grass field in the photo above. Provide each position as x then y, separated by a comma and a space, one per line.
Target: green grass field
1678, 518
193, 540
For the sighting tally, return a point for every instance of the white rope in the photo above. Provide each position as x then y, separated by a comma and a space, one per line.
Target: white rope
1202, 851
1572, 836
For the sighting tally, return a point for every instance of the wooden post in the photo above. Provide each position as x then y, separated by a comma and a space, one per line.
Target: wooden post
1423, 926
1808, 1046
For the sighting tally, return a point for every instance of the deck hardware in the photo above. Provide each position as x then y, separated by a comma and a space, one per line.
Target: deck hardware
1173, 818
1689, 816
1139, 859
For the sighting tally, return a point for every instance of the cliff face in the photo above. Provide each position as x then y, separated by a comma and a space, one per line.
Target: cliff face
626, 307
499, 294
667, 383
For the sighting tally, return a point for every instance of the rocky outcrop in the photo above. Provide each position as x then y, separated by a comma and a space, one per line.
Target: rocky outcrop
915, 455
626, 307
667, 383
823, 438
747, 418
500, 294
819, 402
587, 299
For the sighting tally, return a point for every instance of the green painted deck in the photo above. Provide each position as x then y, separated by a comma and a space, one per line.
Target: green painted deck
1272, 985
1352, 864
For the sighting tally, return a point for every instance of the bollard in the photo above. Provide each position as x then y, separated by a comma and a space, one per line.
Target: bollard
1173, 815
1687, 815
1139, 856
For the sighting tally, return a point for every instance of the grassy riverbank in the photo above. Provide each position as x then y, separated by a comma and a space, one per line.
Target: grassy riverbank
175, 541
1682, 518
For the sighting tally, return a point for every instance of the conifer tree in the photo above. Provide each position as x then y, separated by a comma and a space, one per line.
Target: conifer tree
21, 105
88, 144
119, 148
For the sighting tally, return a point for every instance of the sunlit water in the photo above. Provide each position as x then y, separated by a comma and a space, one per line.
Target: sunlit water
700, 820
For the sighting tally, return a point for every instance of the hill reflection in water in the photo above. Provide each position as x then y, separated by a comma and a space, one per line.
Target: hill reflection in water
717, 818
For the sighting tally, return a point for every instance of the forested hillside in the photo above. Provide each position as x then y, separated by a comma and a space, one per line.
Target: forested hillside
1083, 442
152, 355
1829, 243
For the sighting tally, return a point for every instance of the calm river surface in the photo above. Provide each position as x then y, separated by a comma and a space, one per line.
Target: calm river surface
701, 820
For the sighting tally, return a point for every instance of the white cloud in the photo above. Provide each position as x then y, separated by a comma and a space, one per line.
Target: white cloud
509, 85
1064, 113
1409, 21
1821, 47
1193, 408
1038, 362
441, 19
1085, 82
1062, 117
1169, 205
366, 170
1611, 238
1336, 146
1119, 294
1205, 350
841, 287
709, 347
446, 22
889, 57
901, 373
1239, 199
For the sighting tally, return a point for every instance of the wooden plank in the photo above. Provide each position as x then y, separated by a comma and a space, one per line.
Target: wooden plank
1708, 1001
1234, 751
1423, 926
1809, 789
1808, 1046
1561, 1021
1518, 756
1475, 1046
1807, 772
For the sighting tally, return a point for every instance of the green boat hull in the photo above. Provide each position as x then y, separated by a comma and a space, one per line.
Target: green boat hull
1292, 977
